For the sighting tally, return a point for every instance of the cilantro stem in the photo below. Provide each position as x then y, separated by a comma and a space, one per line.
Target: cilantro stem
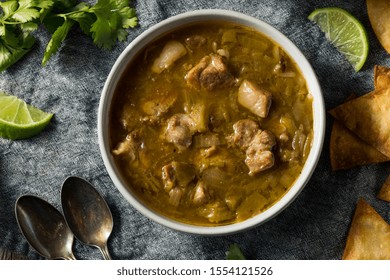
69, 14
11, 22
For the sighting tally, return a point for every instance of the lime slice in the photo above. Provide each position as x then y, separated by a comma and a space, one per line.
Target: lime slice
19, 120
345, 32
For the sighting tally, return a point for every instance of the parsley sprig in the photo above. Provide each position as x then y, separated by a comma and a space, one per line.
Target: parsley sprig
105, 22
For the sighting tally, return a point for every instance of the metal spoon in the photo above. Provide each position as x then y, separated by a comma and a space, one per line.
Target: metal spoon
86, 213
44, 228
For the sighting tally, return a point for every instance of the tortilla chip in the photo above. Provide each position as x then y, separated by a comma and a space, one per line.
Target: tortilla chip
384, 192
381, 77
368, 116
379, 15
347, 150
369, 235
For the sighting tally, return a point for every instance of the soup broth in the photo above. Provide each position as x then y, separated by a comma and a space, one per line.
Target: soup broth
211, 124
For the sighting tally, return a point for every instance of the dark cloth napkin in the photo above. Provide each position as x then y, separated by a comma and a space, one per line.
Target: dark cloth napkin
314, 226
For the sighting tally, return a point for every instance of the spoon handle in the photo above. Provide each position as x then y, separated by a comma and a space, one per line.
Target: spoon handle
69, 257
104, 250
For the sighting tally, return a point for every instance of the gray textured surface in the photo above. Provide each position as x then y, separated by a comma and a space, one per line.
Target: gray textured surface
313, 227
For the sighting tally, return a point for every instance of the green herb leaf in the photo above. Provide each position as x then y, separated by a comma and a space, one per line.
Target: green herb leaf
129, 19
112, 19
55, 42
11, 54
102, 33
43, 4
12, 38
85, 20
234, 253
2, 30
25, 15
29, 26
9, 7
106, 22
122, 35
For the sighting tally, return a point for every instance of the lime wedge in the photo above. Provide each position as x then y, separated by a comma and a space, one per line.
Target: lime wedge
345, 32
19, 120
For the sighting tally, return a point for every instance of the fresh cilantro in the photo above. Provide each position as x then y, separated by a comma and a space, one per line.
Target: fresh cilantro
105, 22
112, 19
55, 42
10, 53
83, 18
234, 253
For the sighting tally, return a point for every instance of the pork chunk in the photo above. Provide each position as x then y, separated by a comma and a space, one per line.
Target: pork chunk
172, 51
259, 154
210, 73
201, 194
129, 147
254, 98
175, 196
258, 161
193, 76
244, 131
179, 131
177, 174
263, 140
256, 143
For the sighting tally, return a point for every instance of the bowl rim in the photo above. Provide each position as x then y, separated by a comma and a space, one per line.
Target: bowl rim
171, 23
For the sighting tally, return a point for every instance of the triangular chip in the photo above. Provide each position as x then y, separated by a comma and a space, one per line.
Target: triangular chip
381, 77
368, 116
384, 192
379, 15
369, 235
347, 150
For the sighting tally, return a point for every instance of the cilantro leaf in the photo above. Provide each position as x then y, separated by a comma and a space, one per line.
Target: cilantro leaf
29, 26
83, 18
17, 21
12, 37
106, 22
2, 30
234, 253
55, 42
27, 10
9, 7
112, 18
129, 18
47, 4
85, 21
103, 31
9, 54
25, 14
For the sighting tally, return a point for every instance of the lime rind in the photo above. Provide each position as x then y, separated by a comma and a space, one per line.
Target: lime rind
345, 32
19, 120
36, 114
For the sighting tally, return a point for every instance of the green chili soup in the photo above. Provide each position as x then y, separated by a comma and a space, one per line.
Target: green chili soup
211, 124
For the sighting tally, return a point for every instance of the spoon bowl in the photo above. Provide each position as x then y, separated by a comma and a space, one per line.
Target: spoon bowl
44, 228
87, 213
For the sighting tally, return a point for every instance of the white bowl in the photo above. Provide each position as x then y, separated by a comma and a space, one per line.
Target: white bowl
172, 23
